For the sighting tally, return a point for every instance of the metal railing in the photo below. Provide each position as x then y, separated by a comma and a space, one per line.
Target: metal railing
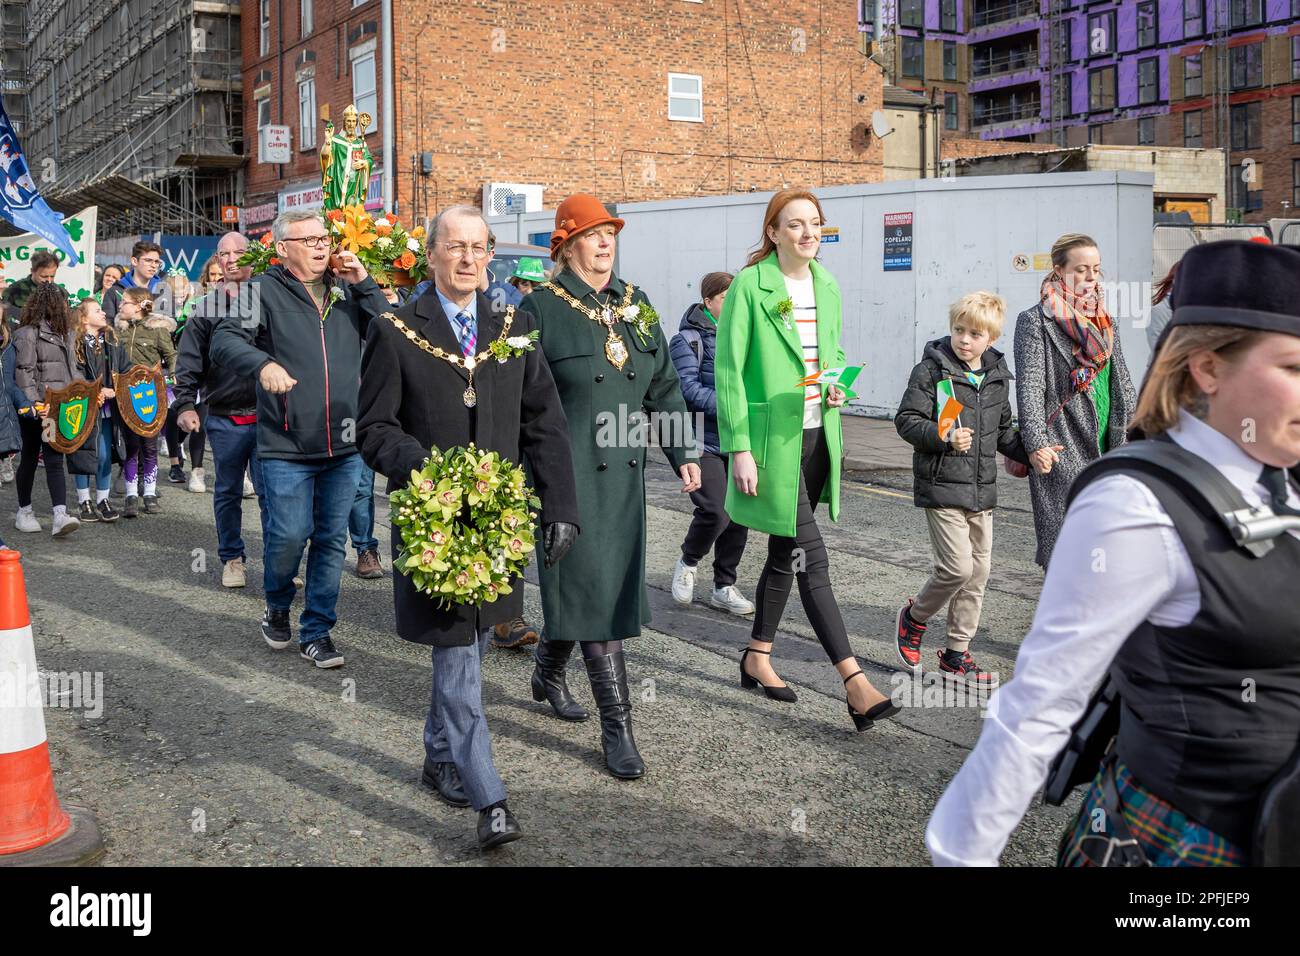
1008, 62
993, 115
1004, 11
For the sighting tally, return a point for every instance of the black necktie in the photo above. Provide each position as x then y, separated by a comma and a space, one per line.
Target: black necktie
1274, 479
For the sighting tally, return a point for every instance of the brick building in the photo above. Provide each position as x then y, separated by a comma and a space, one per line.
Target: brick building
685, 99
301, 59
695, 97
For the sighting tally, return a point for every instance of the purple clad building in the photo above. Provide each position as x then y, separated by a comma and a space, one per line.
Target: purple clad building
1196, 73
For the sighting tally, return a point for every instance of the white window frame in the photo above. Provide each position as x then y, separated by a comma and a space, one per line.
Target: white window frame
260, 101
264, 27
307, 16
307, 113
360, 54
697, 98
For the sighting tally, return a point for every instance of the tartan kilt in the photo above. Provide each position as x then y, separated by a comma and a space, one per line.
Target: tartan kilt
1167, 837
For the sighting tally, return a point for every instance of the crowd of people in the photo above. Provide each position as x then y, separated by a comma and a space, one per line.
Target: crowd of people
310, 380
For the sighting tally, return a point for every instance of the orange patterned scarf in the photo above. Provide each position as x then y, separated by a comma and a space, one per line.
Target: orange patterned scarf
1085, 322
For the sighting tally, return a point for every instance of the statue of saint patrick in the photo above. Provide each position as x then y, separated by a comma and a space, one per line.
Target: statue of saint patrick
345, 161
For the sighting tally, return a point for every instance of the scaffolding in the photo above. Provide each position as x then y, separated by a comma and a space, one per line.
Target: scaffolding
13, 61
1059, 81
149, 90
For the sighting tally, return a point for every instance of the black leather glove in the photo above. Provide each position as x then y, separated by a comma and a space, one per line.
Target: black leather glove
557, 539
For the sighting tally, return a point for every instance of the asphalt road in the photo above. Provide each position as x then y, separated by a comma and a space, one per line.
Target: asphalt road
213, 749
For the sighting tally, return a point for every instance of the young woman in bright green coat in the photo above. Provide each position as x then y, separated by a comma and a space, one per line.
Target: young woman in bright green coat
780, 322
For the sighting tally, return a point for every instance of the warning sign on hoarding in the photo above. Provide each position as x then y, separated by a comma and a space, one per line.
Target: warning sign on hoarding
898, 242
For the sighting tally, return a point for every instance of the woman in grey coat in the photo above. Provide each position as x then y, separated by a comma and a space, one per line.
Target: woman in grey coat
1073, 389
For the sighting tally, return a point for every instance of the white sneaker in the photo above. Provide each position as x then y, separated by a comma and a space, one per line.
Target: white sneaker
64, 524
197, 484
249, 490
233, 575
25, 520
731, 600
683, 582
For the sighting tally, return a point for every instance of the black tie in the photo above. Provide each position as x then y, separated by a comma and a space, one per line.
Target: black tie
1274, 479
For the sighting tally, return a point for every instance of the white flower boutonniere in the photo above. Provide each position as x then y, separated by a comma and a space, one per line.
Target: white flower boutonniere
641, 317
334, 295
514, 346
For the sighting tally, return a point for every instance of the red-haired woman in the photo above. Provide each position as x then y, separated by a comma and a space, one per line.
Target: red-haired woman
780, 321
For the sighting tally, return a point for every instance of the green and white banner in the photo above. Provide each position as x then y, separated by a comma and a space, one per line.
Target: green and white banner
77, 279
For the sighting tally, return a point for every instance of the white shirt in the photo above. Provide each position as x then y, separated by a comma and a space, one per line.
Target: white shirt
1118, 562
805, 322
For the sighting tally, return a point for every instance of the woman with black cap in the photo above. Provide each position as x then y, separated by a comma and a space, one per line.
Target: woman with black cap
1197, 633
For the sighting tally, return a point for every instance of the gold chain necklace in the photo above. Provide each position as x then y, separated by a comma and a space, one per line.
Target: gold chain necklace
468, 363
615, 348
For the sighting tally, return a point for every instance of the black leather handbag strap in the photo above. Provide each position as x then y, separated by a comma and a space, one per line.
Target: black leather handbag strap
1197, 480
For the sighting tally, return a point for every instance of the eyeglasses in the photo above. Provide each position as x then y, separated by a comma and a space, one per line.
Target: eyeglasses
457, 250
311, 242
150, 261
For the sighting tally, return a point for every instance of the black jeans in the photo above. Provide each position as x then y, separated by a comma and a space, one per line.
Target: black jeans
55, 478
192, 441
812, 569
712, 527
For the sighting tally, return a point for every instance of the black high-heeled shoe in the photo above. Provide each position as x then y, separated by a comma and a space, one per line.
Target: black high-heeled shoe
749, 683
881, 711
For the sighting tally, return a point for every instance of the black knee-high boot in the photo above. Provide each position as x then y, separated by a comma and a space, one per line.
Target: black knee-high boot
548, 678
609, 685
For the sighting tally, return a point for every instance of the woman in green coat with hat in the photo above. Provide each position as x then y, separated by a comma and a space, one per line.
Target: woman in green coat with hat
610, 362
781, 322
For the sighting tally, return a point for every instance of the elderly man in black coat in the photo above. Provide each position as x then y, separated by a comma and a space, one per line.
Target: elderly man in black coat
413, 400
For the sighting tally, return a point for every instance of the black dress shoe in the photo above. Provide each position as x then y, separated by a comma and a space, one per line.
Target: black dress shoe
445, 780
497, 826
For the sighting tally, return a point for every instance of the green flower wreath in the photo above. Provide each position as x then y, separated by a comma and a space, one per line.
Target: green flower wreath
466, 524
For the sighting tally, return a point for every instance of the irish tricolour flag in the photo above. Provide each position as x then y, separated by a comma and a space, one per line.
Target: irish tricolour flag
946, 407
843, 377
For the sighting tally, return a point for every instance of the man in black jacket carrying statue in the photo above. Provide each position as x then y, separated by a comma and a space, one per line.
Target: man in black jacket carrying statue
299, 333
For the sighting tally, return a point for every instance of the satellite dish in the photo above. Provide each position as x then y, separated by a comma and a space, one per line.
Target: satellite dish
880, 124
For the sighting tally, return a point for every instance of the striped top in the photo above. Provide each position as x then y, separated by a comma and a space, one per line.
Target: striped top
805, 319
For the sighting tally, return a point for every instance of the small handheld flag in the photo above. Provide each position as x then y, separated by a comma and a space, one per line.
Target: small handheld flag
842, 377
946, 408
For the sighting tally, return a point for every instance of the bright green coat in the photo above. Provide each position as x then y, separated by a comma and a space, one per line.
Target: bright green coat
760, 406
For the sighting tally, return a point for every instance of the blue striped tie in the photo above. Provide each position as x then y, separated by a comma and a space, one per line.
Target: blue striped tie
468, 333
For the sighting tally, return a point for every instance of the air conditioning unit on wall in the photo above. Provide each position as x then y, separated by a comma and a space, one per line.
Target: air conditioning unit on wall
503, 199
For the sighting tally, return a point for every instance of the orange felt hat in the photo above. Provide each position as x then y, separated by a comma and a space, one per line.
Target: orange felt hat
577, 214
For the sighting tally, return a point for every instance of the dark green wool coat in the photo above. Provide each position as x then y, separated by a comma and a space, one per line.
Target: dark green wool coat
597, 593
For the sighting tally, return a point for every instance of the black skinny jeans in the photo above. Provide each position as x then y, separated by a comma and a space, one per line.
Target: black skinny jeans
712, 527
55, 478
814, 579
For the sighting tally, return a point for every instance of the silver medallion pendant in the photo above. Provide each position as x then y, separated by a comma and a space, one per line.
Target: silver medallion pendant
471, 397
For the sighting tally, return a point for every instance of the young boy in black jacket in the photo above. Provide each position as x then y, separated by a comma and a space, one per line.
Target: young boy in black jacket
955, 474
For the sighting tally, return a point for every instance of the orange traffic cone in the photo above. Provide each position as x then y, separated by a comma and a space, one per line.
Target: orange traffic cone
34, 829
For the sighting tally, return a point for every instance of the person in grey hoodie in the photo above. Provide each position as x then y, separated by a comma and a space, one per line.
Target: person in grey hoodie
692, 350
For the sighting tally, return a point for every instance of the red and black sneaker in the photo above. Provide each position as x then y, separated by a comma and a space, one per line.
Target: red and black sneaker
962, 666
909, 639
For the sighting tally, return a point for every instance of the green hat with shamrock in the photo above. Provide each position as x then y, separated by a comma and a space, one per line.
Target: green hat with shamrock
530, 270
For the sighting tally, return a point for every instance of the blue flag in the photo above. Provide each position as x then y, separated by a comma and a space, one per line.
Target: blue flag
20, 200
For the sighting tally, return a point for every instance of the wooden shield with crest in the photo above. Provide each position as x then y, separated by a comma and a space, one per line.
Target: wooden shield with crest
142, 399
72, 410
